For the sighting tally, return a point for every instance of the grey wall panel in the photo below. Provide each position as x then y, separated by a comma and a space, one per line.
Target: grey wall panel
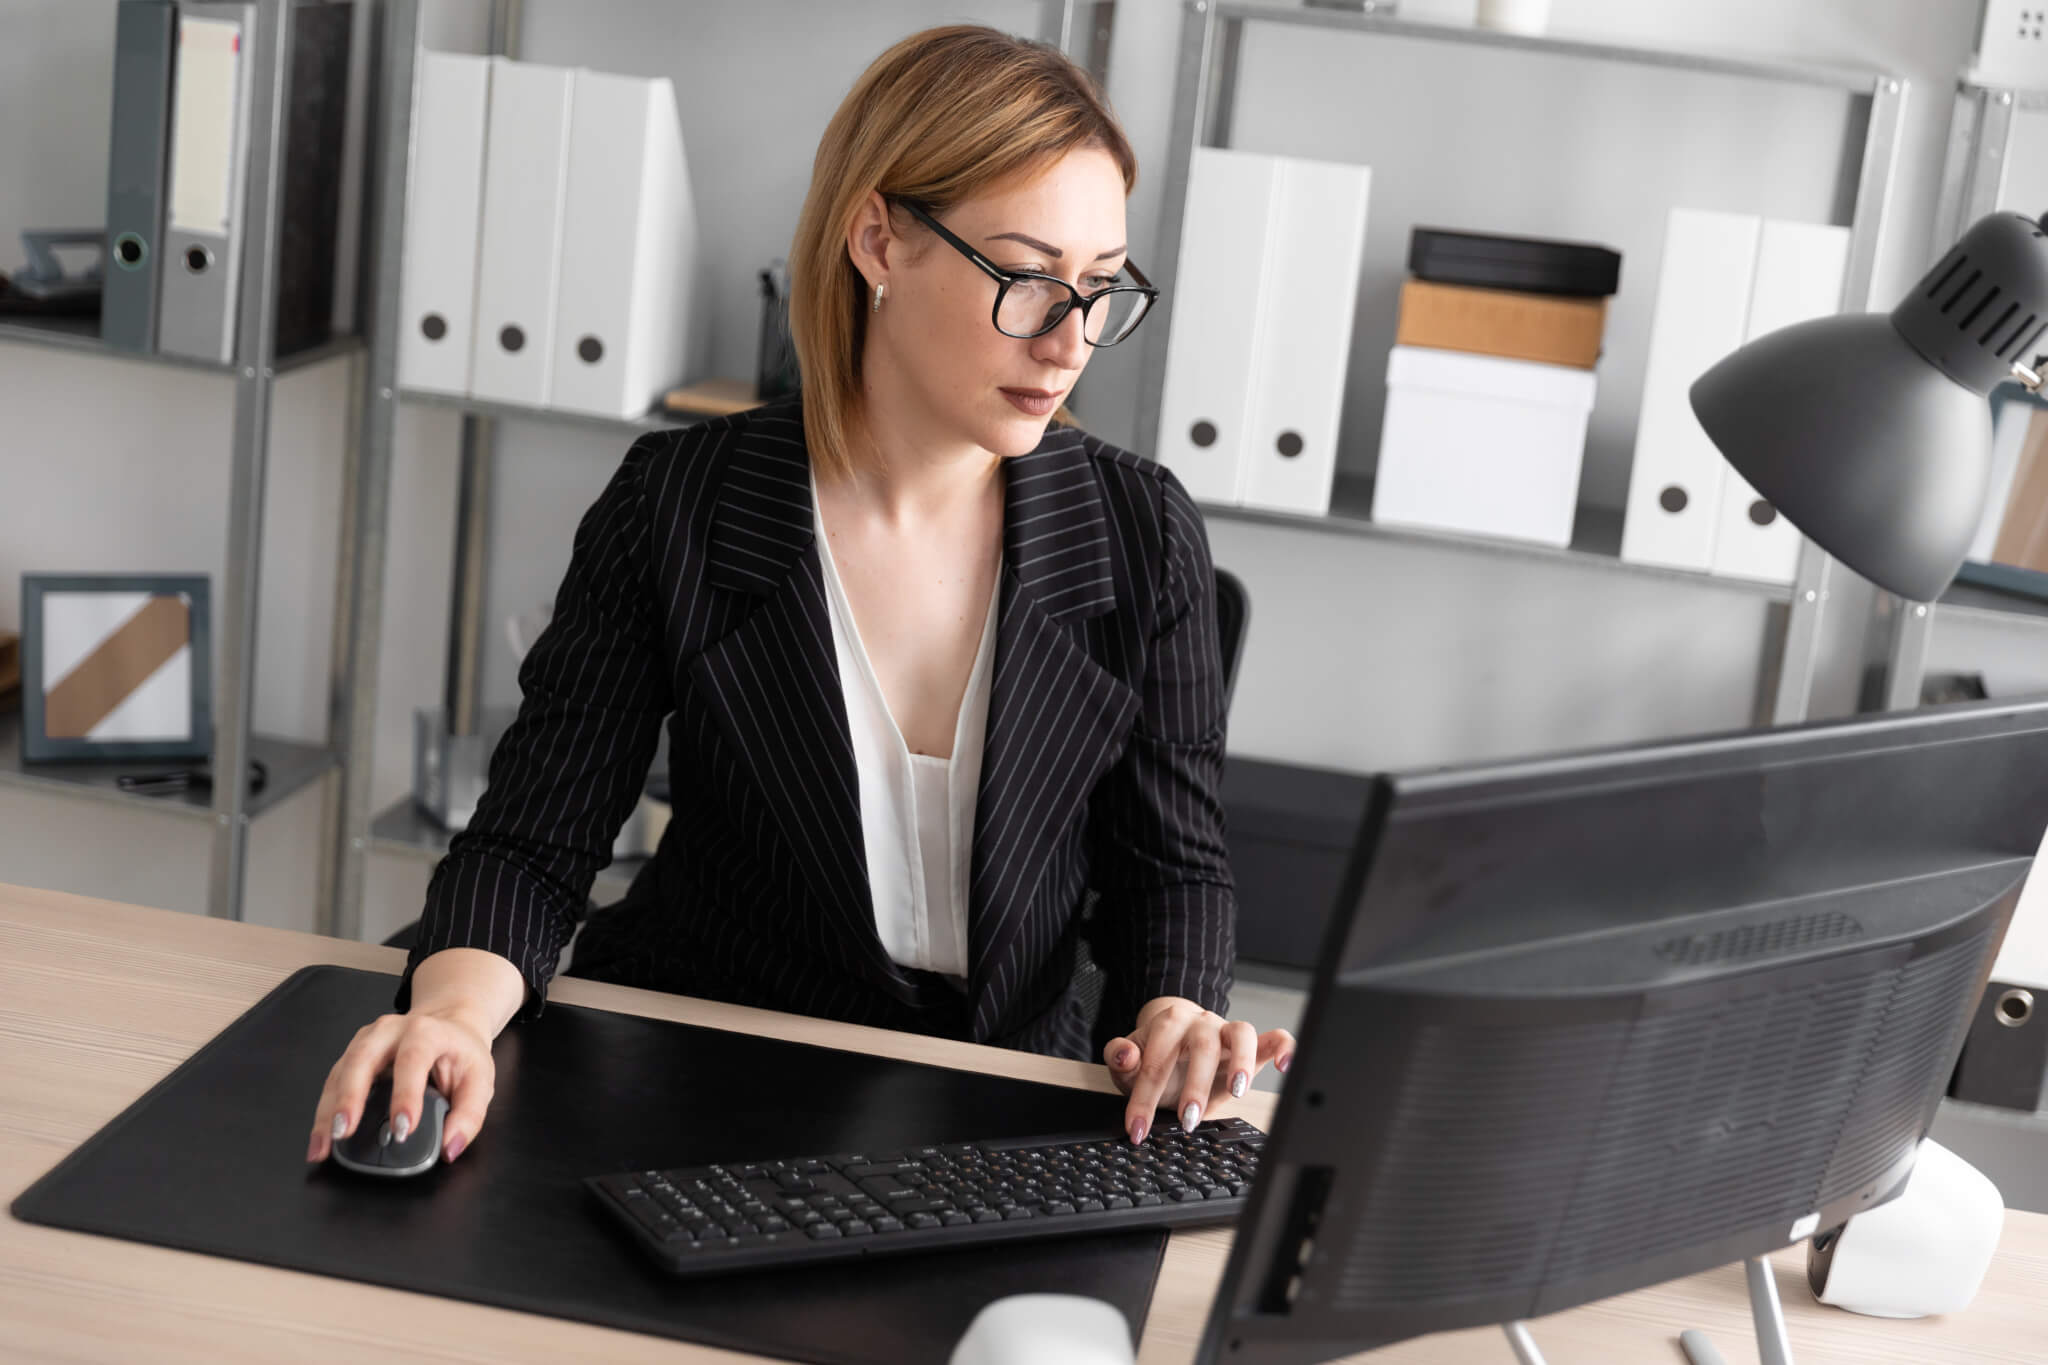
1370, 654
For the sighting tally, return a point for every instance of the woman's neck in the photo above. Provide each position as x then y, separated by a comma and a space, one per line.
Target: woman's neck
906, 473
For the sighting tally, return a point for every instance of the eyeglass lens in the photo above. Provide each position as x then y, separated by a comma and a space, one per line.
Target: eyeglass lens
1030, 307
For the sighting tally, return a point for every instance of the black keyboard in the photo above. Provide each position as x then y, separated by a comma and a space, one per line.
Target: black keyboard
745, 1215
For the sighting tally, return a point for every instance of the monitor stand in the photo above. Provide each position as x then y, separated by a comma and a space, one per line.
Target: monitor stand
1772, 1346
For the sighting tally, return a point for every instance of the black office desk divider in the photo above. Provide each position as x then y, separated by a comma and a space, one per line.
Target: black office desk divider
213, 1160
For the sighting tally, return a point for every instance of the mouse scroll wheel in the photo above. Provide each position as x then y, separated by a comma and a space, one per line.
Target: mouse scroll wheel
384, 1134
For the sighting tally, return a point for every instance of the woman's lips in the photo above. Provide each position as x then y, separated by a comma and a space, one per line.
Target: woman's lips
1033, 402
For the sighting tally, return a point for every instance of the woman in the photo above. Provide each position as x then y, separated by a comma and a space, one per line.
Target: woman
936, 676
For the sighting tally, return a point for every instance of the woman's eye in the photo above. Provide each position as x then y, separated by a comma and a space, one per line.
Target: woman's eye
1095, 282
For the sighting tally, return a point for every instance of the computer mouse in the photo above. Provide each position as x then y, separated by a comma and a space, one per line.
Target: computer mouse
372, 1150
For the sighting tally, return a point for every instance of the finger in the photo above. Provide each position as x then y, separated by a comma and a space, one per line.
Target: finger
467, 1104
417, 1055
1121, 1056
1201, 1049
1276, 1046
349, 1083
1240, 1059
1158, 1068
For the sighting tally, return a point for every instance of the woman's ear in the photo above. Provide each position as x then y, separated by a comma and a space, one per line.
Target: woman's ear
871, 240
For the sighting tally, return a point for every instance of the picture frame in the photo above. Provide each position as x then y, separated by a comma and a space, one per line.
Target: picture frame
115, 666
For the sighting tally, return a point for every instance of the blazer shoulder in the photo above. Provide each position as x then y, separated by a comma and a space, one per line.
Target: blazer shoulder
696, 456
1134, 474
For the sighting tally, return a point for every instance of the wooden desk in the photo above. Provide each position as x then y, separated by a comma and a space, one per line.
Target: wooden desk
100, 1001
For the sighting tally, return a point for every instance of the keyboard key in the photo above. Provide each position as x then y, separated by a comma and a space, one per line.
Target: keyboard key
887, 1224
773, 1224
987, 1216
1187, 1194
857, 1227
922, 1220
1017, 1212
1119, 1201
953, 1218
1059, 1206
869, 1170
1148, 1200
820, 1231
1090, 1206
1216, 1192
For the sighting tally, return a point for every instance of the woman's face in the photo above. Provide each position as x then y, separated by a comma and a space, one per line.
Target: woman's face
934, 331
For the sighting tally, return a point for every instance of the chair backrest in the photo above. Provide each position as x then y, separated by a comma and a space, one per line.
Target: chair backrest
1233, 612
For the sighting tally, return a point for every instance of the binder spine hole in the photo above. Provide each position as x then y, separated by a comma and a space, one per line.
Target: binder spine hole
1289, 444
433, 327
197, 259
1673, 499
1762, 513
130, 251
512, 339
591, 350
1203, 434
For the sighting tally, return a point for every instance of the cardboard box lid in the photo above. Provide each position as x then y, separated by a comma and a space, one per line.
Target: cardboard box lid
1486, 376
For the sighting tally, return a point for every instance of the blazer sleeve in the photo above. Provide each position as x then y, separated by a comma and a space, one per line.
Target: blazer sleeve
568, 772
1167, 913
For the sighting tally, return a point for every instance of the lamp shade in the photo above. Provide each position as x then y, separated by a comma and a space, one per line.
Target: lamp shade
1870, 432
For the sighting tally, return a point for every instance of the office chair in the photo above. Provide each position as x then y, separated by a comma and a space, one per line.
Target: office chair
1233, 613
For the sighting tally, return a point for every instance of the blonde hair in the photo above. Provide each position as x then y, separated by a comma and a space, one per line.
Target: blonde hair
936, 119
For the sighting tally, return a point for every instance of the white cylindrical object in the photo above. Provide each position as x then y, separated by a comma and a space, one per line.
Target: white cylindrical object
1515, 16
1029, 1329
1924, 1252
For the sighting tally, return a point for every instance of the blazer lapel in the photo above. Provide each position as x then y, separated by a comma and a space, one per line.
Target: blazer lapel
1056, 717
773, 684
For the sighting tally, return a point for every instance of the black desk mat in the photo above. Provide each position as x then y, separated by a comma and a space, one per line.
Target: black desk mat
213, 1160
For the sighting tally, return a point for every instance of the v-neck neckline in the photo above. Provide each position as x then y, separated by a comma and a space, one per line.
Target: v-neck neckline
842, 607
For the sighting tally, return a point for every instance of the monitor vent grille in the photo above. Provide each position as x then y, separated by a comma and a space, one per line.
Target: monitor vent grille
1759, 940
1523, 1156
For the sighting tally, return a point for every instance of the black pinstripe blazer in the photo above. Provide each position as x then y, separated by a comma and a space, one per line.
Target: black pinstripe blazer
695, 594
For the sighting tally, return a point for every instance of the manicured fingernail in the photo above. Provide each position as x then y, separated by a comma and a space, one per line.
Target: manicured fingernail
1190, 1116
1125, 1056
1284, 1062
455, 1146
1238, 1083
1138, 1131
401, 1126
340, 1126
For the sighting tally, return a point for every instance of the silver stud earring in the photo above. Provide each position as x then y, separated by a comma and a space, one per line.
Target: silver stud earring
878, 298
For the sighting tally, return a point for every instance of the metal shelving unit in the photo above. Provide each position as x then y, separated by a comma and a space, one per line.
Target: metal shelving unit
1973, 179
1596, 539
1212, 36
254, 371
1076, 27
291, 768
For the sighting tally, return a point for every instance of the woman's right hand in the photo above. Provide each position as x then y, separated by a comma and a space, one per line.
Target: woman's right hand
446, 1047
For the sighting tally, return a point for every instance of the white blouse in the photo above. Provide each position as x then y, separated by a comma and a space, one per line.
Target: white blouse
916, 811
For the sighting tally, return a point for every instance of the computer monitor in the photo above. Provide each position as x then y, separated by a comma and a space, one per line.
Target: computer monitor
1585, 1024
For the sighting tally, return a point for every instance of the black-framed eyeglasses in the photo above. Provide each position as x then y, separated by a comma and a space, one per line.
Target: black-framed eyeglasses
1029, 304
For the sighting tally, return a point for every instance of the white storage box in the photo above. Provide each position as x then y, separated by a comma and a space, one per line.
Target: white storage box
1482, 445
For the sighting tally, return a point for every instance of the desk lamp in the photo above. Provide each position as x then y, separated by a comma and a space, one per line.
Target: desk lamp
1869, 431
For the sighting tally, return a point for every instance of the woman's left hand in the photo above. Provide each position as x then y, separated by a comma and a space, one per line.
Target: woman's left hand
1189, 1056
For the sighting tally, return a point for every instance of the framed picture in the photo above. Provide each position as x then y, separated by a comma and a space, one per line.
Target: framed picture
115, 666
